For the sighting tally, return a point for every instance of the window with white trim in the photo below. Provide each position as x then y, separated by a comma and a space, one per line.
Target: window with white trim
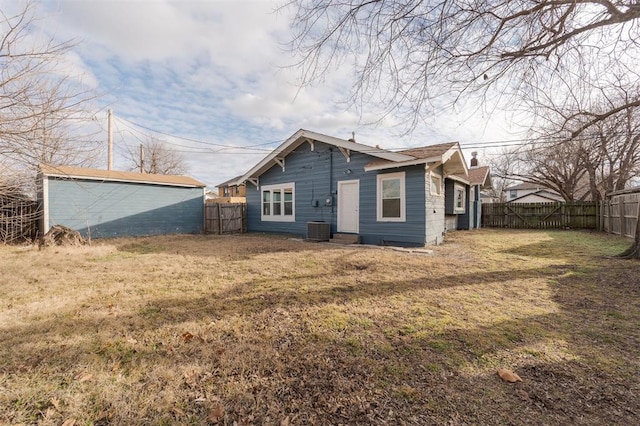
278, 202
459, 200
391, 197
436, 185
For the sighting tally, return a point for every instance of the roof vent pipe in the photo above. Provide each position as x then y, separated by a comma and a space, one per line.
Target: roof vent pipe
353, 137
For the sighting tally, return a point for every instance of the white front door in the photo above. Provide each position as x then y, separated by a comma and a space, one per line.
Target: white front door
348, 206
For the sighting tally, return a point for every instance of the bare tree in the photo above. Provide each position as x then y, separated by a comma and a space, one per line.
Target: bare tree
156, 158
414, 56
555, 167
502, 166
43, 110
42, 115
603, 158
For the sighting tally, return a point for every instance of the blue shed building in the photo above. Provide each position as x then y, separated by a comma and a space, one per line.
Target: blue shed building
383, 197
108, 203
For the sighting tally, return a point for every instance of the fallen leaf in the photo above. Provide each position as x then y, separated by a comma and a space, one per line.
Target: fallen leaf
85, 378
216, 413
187, 337
508, 375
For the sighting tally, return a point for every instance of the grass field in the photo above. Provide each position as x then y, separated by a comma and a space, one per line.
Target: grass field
253, 329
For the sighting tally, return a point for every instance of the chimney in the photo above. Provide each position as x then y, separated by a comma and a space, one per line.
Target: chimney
474, 160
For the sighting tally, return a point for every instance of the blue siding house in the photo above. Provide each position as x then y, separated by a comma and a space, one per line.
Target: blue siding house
383, 197
108, 203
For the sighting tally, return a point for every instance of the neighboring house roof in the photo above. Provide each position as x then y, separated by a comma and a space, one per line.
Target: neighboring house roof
117, 176
480, 176
230, 182
526, 185
542, 193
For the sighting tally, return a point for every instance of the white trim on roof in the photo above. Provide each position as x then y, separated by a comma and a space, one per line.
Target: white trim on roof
110, 179
457, 179
302, 136
393, 165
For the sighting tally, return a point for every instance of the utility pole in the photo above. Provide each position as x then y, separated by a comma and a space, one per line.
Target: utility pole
141, 158
110, 139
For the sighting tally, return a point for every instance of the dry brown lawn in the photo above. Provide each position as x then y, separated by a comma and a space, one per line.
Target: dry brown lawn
254, 329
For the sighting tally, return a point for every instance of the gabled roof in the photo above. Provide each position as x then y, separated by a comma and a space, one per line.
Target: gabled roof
304, 136
230, 182
447, 154
117, 176
480, 176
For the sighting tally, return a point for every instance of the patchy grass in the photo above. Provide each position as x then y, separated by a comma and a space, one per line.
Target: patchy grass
264, 330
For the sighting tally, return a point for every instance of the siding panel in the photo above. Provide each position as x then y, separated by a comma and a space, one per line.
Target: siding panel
113, 209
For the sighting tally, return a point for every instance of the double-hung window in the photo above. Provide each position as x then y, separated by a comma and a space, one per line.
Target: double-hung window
278, 202
391, 197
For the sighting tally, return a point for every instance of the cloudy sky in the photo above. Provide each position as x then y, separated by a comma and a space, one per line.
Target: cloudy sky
211, 78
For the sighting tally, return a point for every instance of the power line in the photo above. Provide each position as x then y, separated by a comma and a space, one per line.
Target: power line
549, 139
248, 147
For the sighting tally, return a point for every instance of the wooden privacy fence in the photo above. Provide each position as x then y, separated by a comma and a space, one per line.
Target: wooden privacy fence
577, 214
619, 215
225, 218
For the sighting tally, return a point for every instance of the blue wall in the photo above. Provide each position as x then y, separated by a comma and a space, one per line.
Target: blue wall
116, 209
316, 174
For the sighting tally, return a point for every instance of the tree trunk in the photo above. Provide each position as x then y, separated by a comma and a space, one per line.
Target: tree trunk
633, 252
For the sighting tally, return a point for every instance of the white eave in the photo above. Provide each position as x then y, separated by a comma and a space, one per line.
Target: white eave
393, 165
306, 136
458, 179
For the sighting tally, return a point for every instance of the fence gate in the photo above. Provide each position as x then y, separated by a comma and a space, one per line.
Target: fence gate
225, 218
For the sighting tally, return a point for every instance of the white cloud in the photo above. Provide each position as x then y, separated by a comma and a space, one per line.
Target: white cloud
213, 71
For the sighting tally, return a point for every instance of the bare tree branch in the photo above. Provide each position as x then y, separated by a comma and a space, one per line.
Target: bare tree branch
158, 158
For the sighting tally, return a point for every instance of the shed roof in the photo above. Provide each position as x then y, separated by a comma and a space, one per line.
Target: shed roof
118, 176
